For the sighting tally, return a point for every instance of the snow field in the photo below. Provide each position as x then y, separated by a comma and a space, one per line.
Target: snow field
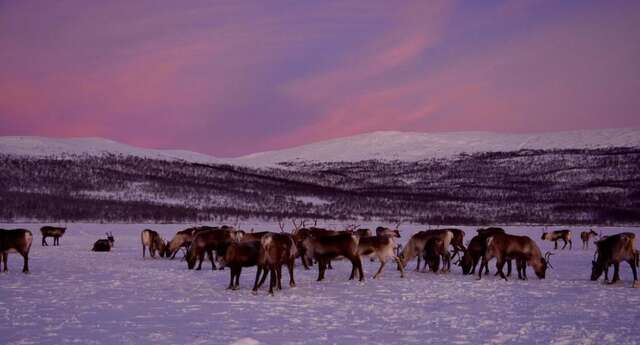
73, 295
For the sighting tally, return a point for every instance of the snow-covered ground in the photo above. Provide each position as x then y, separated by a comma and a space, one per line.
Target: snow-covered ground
73, 295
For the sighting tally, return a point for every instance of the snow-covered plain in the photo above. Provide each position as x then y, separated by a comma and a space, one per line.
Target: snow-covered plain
73, 295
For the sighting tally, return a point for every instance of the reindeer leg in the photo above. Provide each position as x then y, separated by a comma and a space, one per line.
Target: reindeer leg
279, 276
321, 269
213, 265
272, 278
616, 273
556, 244
290, 265
4, 259
238, 272
360, 270
25, 267
418, 265
231, 276
399, 263
382, 263
500, 266
633, 269
509, 267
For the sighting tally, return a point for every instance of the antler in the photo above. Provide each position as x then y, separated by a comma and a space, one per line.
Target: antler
398, 225
281, 225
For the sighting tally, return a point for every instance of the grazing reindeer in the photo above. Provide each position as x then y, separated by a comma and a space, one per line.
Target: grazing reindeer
239, 255
554, 236
325, 248
18, 240
152, 240
382, 247
415, 246
276, 250
476, 250
433, 250
207, 242
457, 242
504, 247
183, 238
612, 251
585, 236
52, 231
104, 245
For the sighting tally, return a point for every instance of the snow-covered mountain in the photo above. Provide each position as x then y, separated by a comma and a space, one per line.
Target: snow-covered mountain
386, 145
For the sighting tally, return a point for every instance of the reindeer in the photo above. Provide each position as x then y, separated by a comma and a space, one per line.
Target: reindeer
207, 242
52, 231
554, 236
276, 250
183, 238
611, 251
457, 242
433, 250
238, 255
18, 240
523, 249
104, 245
476, 250
325, 248
382, 247
585, 236
415, 245
152, 240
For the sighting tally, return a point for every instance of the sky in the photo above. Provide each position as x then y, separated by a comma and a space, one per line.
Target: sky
229, 78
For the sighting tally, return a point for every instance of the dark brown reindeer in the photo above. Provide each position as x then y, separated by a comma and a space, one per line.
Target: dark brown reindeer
325, 248
183, 238
476, 250
555, 236
18, 240
415, 246
276, 250
151, 239
52, 231
241, 254
381, 247
209, 241
523, 249
434, 249
612, 251
104, 245
585, 236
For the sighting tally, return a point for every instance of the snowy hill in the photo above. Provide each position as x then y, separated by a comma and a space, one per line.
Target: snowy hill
411, 146
388, 145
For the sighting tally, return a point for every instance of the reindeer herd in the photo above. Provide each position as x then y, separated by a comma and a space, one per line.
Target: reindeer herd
270, 251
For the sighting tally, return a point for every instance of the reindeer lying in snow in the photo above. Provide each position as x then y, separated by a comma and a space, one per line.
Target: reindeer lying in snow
554, 236
104, 245
613, 250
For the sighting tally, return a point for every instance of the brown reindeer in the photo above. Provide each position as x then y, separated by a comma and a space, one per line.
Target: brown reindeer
434, 249
151, 239
554, 236
415, 246
457, 242
523, 249
585, 236
325, 248
18, 240
104, 245
52, 231
276, 250
612, 251
476, 250
382, 247
238, 255
209, 241
183, 238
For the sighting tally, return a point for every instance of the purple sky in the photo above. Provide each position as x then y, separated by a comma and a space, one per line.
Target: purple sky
231, 78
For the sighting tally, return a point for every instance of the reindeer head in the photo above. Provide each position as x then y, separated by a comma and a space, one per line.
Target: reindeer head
541, 268
466, 262
110, 238
597, 267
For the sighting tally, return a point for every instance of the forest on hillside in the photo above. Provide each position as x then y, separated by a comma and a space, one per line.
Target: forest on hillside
599, 186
